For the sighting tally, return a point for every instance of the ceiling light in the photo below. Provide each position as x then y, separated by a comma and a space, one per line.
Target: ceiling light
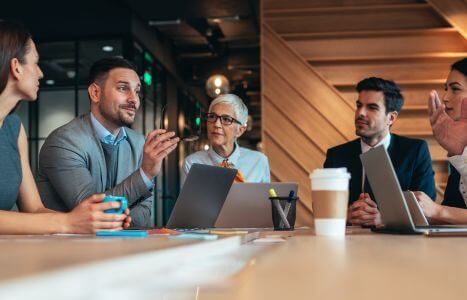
107, 48
70, 74
217, 84
225, 18
50, 82
166, 22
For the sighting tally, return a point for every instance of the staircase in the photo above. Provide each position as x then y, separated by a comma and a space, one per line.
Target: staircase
315, 52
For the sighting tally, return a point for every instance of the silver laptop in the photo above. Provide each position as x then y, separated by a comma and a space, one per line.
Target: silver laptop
202, 197
415, 210
248, 205
391, 202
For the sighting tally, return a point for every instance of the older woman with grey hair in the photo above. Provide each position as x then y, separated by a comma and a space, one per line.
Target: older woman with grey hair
226, 122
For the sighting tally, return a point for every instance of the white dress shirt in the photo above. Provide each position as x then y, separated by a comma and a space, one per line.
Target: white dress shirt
460, 163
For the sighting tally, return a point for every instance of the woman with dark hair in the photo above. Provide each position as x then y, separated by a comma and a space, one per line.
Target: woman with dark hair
19, 80
449, 123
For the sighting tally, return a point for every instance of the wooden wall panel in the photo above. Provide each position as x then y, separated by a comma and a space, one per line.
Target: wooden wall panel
302, 117
307, 21
307, 155
414, 96
402, 72
285, 169
415, 125
304, 79
299, 111
454, 12
313, 53
273, 5
381, 45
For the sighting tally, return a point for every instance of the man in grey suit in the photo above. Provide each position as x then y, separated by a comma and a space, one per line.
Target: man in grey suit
98, 153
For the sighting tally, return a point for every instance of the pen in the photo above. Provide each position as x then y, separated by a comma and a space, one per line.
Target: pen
287, 206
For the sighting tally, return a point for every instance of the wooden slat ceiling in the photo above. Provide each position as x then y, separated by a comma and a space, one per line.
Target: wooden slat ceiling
212, 37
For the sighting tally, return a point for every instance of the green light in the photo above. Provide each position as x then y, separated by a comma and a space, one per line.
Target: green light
198, 121
147, 78
148, 57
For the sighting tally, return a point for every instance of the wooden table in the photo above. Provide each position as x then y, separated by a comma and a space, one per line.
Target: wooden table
364, 265
361, 266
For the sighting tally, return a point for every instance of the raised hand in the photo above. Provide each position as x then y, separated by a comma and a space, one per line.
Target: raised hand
450, 134
158, 145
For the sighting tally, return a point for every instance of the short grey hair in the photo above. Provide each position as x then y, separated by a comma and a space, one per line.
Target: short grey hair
240, 109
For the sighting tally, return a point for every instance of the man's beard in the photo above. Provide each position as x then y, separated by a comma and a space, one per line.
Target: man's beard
121, 119
124, 119
365, 133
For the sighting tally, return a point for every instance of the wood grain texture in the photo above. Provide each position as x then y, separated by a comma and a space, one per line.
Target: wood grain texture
454, 12
315, 52
274, 5
385, 46
413, 16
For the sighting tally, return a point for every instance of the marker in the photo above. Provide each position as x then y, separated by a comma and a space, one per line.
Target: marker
123, 233
272, 193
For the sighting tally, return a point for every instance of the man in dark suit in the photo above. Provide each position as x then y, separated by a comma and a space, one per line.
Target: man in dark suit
377, 107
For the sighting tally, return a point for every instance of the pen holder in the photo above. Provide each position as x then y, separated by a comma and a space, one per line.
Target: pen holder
283, 212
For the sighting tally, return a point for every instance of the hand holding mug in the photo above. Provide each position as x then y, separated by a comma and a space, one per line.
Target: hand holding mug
89, 216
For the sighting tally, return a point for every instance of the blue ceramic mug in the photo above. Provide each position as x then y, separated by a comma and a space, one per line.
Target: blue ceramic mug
123, 204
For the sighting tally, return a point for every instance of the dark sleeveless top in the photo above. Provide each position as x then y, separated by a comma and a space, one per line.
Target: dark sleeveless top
10, 163
452, 195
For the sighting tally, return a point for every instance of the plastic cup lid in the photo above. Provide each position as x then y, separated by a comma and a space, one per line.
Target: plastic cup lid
330, 173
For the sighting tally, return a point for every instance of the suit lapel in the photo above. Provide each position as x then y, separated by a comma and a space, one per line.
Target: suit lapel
393, 155
356, 165
123, 160
97, 149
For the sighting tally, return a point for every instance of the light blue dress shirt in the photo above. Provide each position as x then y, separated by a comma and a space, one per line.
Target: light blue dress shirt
108, 138
252, 164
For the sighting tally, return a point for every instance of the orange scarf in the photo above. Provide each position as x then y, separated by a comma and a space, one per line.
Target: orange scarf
239, 178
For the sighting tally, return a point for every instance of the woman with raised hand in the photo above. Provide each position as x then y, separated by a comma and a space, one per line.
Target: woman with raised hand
19, 80
448, 118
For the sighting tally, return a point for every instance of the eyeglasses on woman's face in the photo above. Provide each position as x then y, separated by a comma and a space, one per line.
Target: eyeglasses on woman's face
225, 119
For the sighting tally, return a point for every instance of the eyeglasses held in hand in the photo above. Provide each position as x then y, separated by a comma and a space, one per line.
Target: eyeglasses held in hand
225, 119
191, 138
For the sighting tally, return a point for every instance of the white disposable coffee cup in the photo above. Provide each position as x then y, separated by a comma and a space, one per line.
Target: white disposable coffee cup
330, 194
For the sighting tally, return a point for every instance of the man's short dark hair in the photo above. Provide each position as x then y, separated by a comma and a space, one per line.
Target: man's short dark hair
393, 99
101, 68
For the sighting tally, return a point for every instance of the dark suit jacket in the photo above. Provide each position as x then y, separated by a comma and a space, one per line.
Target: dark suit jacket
410, 158
452, 195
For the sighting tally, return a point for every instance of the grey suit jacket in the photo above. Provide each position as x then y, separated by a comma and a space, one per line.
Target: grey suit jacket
72, 167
